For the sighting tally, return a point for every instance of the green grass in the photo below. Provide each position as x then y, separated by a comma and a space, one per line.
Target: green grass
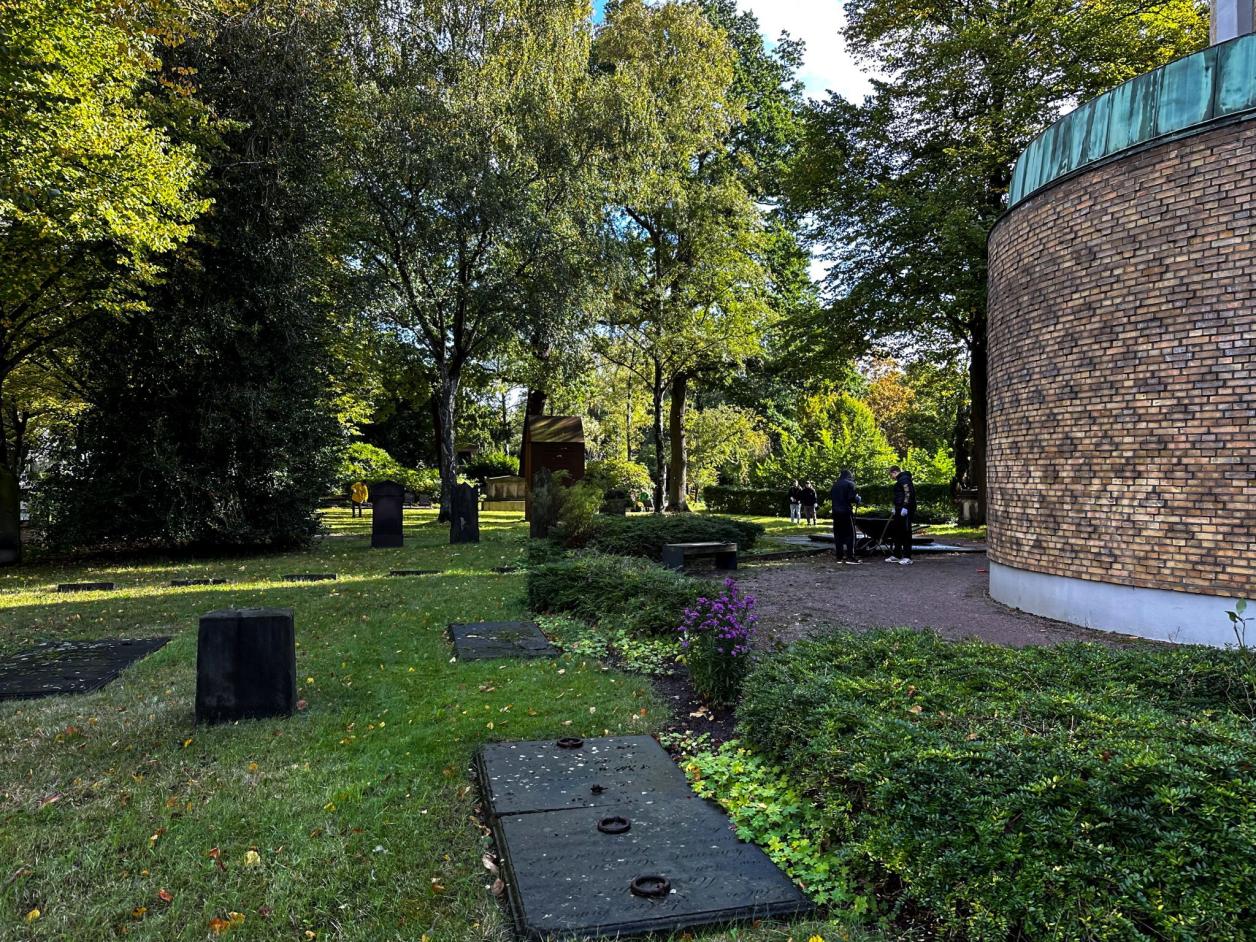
360, 809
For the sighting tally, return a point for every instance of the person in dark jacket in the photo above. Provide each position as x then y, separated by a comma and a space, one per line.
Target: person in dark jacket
795, 502
904, 511
809, 500
845, 498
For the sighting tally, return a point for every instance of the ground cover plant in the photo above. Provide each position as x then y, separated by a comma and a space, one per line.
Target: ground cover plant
988, 793
646, 534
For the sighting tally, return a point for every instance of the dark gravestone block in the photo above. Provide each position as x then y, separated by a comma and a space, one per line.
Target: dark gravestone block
505, 570
86, 587
387, 500
464, 520
310, 577
246, 665
10, 518
493, 639
415, 572
607, 839
522, 777
185, 583
70, 666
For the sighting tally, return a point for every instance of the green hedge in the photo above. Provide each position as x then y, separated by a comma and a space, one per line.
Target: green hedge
640, 595
1071, 792
933, 500
645, 535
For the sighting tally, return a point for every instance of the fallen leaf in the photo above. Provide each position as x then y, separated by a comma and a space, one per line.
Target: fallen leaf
50, 799
916, 709
264, 911
301, 704
235, 919
498, 887
138, 912
252, 858
187, 742
33, 915
218, 926
437, 886
165, 896
489, 863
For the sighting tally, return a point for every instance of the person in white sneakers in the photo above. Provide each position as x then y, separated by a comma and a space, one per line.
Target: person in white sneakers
795, 503
904, 510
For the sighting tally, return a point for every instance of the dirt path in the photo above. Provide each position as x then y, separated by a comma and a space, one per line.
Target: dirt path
950, 594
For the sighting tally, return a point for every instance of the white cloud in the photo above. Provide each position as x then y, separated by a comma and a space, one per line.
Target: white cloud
828, 66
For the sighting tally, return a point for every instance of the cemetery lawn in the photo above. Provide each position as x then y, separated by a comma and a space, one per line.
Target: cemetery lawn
354, 819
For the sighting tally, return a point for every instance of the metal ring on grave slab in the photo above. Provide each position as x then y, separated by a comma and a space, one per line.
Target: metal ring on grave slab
597, 789
570, 742
615, 824
651, 886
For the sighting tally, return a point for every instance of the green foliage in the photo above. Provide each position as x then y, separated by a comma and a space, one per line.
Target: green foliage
835, 431
645, 535
363, 462
1077, 791
926, 468
618, 475
491, 465
770, 810
933, 500
635, 594
655, 656
577, 515
716, 638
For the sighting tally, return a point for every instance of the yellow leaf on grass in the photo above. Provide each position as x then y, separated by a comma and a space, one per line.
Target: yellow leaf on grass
33, 915
252, 858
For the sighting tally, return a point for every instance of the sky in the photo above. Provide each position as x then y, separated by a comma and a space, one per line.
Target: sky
828, 67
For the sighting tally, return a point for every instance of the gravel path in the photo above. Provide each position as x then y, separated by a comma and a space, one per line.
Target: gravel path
948, 593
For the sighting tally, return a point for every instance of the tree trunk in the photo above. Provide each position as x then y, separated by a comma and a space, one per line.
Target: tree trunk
447, 393
977, 382
10, 496
659, 473
677, 470
537, 398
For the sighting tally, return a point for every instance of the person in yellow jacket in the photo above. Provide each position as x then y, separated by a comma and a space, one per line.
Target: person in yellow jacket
358, 495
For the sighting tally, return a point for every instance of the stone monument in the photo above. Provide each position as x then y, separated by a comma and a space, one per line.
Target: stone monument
464, 517
387, 499
246, 665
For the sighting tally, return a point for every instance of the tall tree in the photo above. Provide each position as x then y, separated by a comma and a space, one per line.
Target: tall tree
902, 189
212, 419
476, 183
688, 287
92, 192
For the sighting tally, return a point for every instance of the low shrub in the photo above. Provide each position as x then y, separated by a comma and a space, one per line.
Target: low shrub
618, 475
643, 598
493, 464
715, 637
647, 534
1072, 792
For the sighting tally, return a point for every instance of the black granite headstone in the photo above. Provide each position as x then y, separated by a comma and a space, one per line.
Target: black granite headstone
86, 587
493, 639
607, 839
310, 577
415, 572
58, 667
10, 518
185, 583
246, 665
464, 519
387, 500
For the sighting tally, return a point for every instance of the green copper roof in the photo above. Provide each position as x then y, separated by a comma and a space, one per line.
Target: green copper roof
1181, 98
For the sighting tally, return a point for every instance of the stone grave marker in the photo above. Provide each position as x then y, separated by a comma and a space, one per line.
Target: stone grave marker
387, 502
185, 583
415, 572
246, 665
58, 667
605, 838
86, 587
464, 518
495, 639
310, 577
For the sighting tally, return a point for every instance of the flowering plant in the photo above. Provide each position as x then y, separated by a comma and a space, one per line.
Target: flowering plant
715, 637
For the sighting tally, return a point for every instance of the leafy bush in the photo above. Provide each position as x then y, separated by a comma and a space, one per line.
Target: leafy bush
646, 535
1073, 792
835, 430
618, 475
715, 636
577, 512
363, 462
494, 464
933, 500
643, 598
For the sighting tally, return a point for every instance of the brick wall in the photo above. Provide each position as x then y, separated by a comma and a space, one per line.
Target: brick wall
1123, 371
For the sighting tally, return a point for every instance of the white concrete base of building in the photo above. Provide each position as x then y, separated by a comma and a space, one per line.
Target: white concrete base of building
1180, 617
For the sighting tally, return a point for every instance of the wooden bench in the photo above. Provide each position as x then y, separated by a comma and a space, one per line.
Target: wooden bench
675, 555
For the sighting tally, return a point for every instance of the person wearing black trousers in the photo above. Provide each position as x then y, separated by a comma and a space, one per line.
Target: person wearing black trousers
904, 510
809, 500
844, 498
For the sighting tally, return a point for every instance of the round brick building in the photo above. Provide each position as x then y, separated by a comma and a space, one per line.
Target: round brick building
1122, 329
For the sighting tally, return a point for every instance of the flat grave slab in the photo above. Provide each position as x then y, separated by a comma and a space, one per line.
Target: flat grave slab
310, 577
495, 639
58, 667
415, 572
185, 583
522, 777
86, 587
643, 854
